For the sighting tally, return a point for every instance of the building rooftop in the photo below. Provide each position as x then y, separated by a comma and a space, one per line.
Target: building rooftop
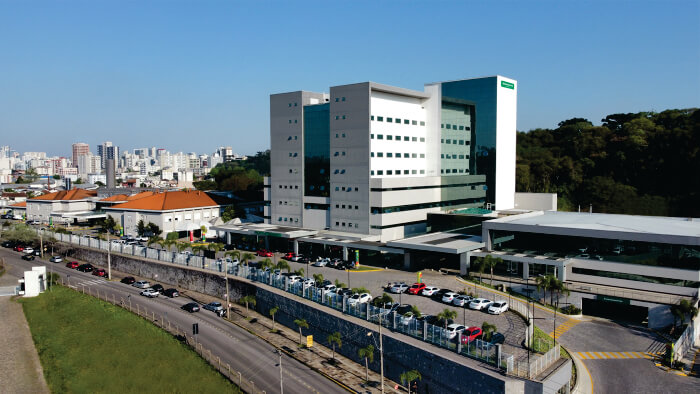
66, 195
172, 200
22, 204
440, 242
595, 224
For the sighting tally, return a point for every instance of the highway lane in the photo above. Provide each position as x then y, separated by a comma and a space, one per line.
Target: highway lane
254, 358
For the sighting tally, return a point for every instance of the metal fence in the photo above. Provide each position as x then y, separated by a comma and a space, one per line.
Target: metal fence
688, 338
416, 328
213, 358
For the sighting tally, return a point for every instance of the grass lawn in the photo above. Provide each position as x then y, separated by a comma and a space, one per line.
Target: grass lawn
89, 346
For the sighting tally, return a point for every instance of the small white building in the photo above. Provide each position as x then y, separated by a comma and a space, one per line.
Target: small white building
34, 282
63, 206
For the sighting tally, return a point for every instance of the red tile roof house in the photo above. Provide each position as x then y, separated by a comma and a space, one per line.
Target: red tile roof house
64, 206
173, 211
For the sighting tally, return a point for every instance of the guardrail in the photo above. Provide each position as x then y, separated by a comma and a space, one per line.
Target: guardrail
477, 349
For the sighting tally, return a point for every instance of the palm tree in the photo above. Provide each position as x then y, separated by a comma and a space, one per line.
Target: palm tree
301, 323
544, 283
559, 288
246, 258
339, 284
368, 354
154, 240
249, 299
446, 315
415, 311
181, 246
334, 339
283, 264
216, 247
299, 272
479, 267
318, 278
684, 309
408, 377
199, 248
383, 300
359, 290
487, 330
490, 262
265, 263
272, 312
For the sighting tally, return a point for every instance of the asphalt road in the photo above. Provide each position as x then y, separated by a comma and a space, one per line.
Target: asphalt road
245, 352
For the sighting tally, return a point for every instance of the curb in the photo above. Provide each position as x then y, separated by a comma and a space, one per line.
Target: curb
580, 367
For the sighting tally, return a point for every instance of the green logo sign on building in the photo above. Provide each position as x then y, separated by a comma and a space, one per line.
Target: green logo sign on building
508, 85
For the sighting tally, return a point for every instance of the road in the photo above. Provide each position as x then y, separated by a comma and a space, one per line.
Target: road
254, 358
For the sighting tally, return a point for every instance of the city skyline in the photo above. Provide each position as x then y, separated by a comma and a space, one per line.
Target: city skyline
179, 75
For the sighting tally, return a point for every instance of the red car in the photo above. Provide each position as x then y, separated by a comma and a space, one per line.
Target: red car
290, 256
99, 272
471, 334
416, 288
19, 248
264, 253
72, 264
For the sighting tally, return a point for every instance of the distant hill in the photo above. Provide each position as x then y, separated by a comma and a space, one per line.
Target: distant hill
645, 163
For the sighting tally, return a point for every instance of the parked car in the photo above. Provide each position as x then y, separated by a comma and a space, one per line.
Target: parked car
72, 264
150, 293
172, 293
403, 309
28, 250
85, 267
142, 284
291, 256
398, 288
497, 337
264, 253
18, 248
328, 289
99, 272
336, 263
416, 288
28, 257
56, 259
158, 287
129, 280
497, 307
343, 292
8, 244
292, 279
321, 262
359, 299
452, 330
429, 291
440, 293
308, 282
191, 307
37, 252
479, 304
296, 258
448, 297
462, 300
470, 334
407, 318
213, 306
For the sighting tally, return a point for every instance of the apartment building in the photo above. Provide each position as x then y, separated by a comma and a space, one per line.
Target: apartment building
372, 159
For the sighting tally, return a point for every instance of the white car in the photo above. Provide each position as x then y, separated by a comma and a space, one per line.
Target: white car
56, 259
328, 289
399, 288
150, 293
321, 263
447, 298
498, 307
28, 250
462, 300
293, 279
359, 299
479, 304
142, 284
452, 330
407, 318
308, 282
297, 258
430, 290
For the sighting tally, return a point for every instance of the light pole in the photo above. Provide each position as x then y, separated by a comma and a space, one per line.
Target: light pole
381, 353
109, 258
228, 303
281, 386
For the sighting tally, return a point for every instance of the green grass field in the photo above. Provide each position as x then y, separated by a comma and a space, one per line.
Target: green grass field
90, 346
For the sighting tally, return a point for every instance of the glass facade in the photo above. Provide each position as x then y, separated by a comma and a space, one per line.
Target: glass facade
472, 103
317, 161
635, 277
630, 252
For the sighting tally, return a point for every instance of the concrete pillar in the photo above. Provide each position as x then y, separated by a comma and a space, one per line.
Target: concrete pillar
561, 273
526, 270
267, 243
228, 238
345, 253
296, 246
459, 342
407, 261
464, 263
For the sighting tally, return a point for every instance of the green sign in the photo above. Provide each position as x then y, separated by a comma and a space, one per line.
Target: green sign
612, 299
508, 85
267, 234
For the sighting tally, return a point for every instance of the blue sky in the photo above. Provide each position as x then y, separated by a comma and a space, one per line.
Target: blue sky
194, 75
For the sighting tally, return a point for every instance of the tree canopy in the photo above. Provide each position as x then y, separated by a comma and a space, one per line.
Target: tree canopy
641, 163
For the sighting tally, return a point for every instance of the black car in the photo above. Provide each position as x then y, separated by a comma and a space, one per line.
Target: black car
171, 293
28, 257
129, 280
9, 244
191, 307
438, 294
85, 268
158, 288
403, 309
497, 337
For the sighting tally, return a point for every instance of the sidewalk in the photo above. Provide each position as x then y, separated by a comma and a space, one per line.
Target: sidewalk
22, 372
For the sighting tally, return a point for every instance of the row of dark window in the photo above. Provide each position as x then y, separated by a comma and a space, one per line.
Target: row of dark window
397, 138
290, 186
397, 155
455, 142
413, 207
392, 189
398, 120
398, 172
292, 220
453, 156
339, 224
455, 127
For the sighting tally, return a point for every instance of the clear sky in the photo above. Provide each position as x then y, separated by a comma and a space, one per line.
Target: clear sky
195, 75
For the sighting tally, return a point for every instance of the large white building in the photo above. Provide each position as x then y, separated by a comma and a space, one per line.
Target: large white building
371, 159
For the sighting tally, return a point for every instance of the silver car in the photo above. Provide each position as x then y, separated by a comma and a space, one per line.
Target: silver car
142, 284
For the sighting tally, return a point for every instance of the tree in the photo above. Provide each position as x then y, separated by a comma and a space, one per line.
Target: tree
108, 224
21, 232
318, 278
247, 300
233, 254
408, 377
359, 290
382, 301
479, 267
246, 258
265, 263
340, 284
182, 246
231, 212
299, 272
301, 323
198, 248
684, 309
366, 353
173, 236
283, 265
98, 183
140, 228
154, 229
206, 184
544, 283
78, 181
154, 240
415, 311
447, 315
56, 177
559, 287
272, 312
490, 262
334, 339
487, 330
215, 247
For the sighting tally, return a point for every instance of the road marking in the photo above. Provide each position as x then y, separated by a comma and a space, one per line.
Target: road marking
616, 355
564, 327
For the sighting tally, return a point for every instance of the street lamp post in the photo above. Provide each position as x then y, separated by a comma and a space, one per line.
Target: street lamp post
281, 386
381, 353
109, 258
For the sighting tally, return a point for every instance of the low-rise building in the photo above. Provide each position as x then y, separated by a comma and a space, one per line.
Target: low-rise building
63, 207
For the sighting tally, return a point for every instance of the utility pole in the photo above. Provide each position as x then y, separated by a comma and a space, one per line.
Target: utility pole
109, 258
381, 353
41, 243
228, 303
281, 386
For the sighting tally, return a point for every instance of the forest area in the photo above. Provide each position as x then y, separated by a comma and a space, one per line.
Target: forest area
642, 163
